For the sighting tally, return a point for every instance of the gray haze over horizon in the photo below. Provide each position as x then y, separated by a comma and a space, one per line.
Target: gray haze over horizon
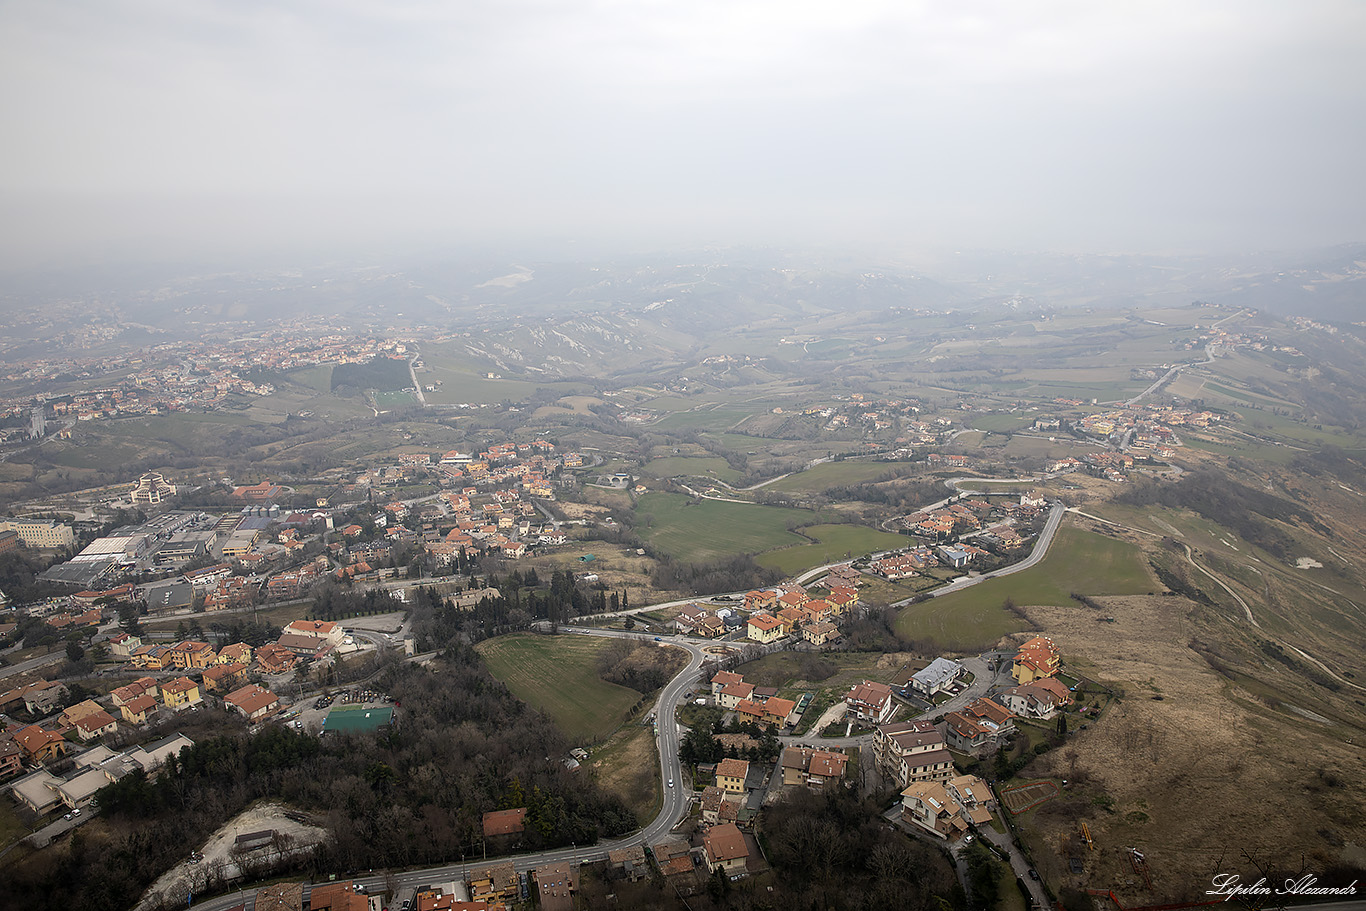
163, 129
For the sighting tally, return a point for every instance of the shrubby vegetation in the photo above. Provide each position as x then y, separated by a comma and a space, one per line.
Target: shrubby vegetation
736, 574
1247, 512
831, 850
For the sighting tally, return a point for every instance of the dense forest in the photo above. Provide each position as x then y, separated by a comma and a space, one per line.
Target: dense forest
386, 374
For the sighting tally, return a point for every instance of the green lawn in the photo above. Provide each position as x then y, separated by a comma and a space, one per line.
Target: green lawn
558, 675
699, 466
705, 418
787, 670
1000, 423
834, 474
833, 542
1079, 561
702, 530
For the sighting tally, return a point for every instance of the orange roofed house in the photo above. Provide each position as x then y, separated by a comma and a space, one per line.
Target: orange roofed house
180, 693
725, 847
504, 822
765, 628
731, 775
252, 701
1036, 659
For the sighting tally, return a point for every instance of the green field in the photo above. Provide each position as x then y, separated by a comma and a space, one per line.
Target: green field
788, 670
701, 467
1079, 561
558, 675
833, 542
835, 474
1001, 423
703, 530
706, 418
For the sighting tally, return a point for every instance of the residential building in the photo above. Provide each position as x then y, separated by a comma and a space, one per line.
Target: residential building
179, 693
11, 756
127, 692
1037, 658
791, 618
911, 751
497, 884
978, 728
252, 701
1041, 699
78, 711
504, 822
224, 678
948, 808
812, 768
870, 702
731, 774
936, 678
733, 693
555, 885
764, 628
761, 599
39, 744
628, 862
122, 645
237, 653
720, 806
725, 848
192, 655
138, 709
823, 633
778, 712
722, 680
337, 896
88, 727
275, 659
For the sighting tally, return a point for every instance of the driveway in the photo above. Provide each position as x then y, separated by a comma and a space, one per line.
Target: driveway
1005, 844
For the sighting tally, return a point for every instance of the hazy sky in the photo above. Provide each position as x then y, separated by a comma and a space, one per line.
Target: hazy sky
152, 129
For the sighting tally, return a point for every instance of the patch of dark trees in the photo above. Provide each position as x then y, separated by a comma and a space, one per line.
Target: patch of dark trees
639, 665
386, 374
833, 850
1247, 512
740, 573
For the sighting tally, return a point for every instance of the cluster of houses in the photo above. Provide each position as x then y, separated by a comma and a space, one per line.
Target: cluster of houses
195, 376
916, 754
300, 640
187, 672
720, 845
750, 703
769, 615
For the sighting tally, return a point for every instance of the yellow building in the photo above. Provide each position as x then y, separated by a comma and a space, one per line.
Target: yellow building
180, 692
731, 774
